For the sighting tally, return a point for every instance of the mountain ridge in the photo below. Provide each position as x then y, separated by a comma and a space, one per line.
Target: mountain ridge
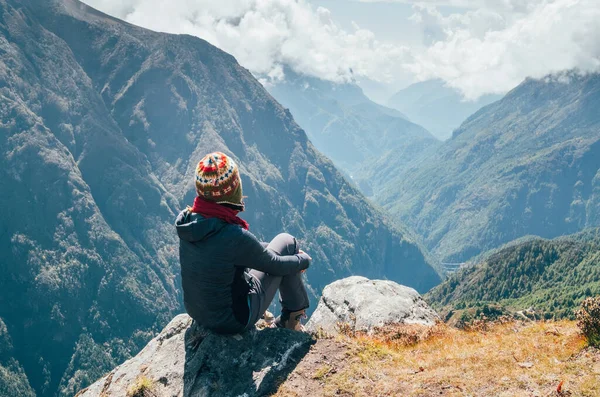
527, 164
103, 123
436, 106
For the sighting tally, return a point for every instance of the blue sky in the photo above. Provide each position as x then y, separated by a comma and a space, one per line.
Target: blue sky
388, 20
475, 46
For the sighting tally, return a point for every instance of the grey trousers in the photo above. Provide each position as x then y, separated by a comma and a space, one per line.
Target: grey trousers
292, 293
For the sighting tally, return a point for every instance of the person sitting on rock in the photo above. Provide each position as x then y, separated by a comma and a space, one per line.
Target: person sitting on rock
229, 278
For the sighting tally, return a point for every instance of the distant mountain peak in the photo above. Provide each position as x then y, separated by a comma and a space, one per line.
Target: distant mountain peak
437, 106
364, 139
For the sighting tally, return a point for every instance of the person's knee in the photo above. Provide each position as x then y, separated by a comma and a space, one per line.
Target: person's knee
285, 237
285, 244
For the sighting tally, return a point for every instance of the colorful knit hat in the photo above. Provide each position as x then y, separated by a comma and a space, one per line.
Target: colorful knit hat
218, 180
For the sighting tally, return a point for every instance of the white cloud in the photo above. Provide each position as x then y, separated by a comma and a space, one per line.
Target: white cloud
265, 35
486, 51
513, 5
489, 46
453, 3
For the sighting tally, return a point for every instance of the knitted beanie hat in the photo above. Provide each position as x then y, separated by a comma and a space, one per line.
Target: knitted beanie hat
218, 180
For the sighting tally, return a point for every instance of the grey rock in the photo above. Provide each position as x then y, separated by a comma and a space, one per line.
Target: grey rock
364, 304
184, 360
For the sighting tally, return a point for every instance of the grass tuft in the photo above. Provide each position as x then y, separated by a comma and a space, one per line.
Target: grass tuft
143, 387
322, 372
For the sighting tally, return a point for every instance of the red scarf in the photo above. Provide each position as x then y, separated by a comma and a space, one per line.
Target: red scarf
208, 209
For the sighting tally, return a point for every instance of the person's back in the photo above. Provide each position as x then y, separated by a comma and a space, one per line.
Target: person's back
209, 277
216, 249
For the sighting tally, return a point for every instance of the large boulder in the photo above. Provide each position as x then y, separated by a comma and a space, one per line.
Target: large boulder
184, 360
363, 304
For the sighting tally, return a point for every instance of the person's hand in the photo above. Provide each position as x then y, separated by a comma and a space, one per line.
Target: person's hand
302, 252
309, 258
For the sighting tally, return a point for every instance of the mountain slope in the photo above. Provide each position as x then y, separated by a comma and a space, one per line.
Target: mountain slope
76, 257
13, 381
437, 107
349, 128
102, 124
552, 276
525, 165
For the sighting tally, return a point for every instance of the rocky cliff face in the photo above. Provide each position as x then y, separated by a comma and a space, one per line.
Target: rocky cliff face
183, 360
102, 124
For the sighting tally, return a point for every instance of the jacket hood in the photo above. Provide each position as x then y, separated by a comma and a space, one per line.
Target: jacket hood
194, 227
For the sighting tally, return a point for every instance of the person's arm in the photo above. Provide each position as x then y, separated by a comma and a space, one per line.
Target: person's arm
252, 254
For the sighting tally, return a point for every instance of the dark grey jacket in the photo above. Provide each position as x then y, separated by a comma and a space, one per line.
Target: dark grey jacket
214, 257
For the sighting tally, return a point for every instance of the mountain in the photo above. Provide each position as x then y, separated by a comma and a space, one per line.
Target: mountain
376, 91
551, 276
102, 125
349, 128
525, 165
436, 106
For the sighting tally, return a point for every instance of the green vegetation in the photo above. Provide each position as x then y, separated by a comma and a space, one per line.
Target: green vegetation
588, 320
322, 372
13, 381
551, 276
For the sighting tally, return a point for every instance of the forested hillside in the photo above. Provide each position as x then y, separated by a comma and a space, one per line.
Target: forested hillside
528, 164
550, 276
102, 125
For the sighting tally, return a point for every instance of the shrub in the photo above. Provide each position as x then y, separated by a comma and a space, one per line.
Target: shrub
588, 320
143, 387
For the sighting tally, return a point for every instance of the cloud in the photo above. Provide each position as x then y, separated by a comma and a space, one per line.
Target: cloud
484, 46
492, 50
469, 4
268, 35
452, 3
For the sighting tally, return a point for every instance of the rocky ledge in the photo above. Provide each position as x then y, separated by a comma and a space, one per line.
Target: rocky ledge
185, 361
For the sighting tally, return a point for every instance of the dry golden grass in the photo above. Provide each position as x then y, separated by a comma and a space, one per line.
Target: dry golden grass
511, 359
143, 387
